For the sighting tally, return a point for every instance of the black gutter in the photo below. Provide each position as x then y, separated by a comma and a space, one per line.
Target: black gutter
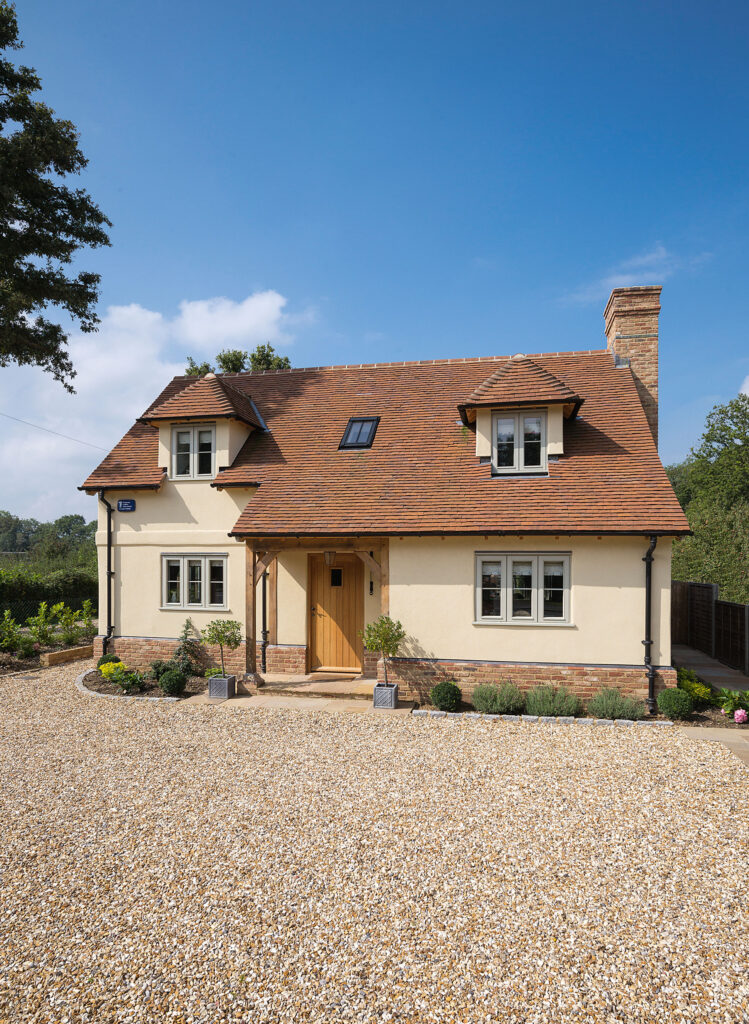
110, 574
648, 641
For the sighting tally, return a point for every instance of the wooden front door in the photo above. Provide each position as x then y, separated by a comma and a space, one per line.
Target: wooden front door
336, 613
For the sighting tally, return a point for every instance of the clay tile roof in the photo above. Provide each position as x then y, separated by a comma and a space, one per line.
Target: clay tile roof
209, 396
421, 474
133, 462
520, 380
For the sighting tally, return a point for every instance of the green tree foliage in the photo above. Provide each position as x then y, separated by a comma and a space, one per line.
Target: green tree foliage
712, 485
43, 223
234, 360
65, 543
264, 358
194, 369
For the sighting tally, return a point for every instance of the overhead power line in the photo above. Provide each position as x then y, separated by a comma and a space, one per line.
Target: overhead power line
55, 432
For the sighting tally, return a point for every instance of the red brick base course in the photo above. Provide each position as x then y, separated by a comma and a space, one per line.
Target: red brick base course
416, 677
285, 658
139, 651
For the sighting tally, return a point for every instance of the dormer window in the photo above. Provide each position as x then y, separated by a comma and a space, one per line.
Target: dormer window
193, 452
360, 432
519, 442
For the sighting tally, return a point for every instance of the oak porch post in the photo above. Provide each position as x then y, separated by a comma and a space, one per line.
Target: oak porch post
249, 610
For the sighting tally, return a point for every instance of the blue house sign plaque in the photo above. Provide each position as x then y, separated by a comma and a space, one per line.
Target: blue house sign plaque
126, 505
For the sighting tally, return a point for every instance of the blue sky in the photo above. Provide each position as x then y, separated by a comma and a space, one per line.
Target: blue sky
380, 181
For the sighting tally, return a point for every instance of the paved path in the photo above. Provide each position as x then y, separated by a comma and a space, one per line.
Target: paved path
736, 740
711, 671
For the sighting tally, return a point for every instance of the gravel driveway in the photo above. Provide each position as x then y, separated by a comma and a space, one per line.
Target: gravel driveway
171, 862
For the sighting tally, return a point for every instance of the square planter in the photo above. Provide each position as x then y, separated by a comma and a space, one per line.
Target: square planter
385, 696
221, 687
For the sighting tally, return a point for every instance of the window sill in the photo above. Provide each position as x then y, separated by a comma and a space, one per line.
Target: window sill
192, 479
519, 472
524, 623
193, 608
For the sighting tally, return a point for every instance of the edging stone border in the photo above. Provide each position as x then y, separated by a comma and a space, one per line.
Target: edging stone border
80, 685
543, 720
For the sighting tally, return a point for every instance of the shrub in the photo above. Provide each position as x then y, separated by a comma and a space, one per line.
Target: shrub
70, 631
88, 627
211, 673
547, 701
158, 668
127, 679
172, 682
40, 625
731, 701
613, 704
224, 633
186, 657
674, 703
10, 632
446, 696
20, 585
110, 668
384, 635
107, 659
702, 695
498, 700
26, 648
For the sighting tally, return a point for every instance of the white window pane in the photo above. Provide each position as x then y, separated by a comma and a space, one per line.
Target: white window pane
522, 590
491, 589
216, 581
532, 440
173, 595
194, 581
505, 442
553, 590
205, 452
183, 446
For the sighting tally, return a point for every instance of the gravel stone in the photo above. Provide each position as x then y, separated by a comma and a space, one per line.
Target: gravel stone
185, 864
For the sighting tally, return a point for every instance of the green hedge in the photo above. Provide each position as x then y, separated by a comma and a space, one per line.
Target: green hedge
70, 585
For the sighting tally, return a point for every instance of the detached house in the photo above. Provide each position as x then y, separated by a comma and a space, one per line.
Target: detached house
511, 511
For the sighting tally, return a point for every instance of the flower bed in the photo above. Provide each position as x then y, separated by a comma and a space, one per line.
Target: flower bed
51, 629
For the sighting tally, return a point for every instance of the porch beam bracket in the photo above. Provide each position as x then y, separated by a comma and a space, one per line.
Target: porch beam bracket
262, 564
370, 562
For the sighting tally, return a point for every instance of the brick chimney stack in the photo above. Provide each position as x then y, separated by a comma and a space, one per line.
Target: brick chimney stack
631, 318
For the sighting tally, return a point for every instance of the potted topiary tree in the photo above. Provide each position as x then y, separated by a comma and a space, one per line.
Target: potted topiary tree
384, 635
223, 633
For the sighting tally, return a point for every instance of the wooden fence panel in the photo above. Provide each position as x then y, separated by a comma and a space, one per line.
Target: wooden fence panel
718, 628
730, 634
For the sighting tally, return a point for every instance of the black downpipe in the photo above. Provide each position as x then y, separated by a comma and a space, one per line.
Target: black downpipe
648, 641
110, 574
264, 631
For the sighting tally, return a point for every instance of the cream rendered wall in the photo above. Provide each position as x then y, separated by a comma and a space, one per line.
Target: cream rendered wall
554, 431
432, 592
186, 516
292, 597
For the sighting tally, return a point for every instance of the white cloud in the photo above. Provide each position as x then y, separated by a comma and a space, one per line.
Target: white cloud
652, 266
121, 368
207, 324
745, 387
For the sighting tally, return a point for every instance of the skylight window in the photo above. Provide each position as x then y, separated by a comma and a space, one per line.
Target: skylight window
360, 432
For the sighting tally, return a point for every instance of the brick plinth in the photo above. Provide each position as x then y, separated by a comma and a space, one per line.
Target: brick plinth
370, 661
139, 651
417, 676
287, 658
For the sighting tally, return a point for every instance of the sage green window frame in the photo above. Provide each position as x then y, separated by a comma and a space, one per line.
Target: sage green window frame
540, 594
518, 417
